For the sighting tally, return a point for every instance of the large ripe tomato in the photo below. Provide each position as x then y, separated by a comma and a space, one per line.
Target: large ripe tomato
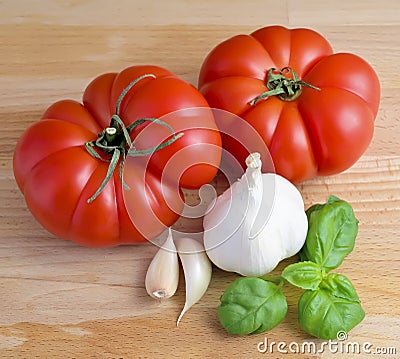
308, 131
58, 165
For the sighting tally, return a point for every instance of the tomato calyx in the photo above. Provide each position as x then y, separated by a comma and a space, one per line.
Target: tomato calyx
115, 142
279, 84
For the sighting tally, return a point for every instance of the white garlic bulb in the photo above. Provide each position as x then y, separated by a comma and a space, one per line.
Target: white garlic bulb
255, 223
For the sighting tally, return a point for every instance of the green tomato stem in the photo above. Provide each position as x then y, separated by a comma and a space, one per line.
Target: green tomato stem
286, 88
116, 144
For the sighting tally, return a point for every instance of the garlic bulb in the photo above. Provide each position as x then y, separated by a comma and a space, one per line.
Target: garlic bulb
163, 273
197, 269
255, 223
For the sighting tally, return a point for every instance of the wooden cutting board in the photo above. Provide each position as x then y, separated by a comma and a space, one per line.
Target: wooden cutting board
60, 300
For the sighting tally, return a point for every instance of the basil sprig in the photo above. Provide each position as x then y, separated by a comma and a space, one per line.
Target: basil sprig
329, 303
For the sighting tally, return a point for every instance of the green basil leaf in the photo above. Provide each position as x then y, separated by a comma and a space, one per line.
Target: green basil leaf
330, 309
332, 229
340, 286
306, 275
303, 251
315, 207
251, 305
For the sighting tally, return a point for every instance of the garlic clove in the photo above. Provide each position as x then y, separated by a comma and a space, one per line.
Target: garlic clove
197, 269
163, 273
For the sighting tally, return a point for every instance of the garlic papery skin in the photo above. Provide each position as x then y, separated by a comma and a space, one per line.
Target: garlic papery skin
197, 269
257, 222
162, 276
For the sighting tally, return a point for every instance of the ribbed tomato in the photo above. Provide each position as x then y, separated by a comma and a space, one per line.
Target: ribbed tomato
314, 109
72, 165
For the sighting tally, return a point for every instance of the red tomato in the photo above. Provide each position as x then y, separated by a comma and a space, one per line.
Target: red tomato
308, 132
58, 166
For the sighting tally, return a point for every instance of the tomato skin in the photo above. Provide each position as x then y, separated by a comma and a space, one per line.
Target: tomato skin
57, 175
318, 133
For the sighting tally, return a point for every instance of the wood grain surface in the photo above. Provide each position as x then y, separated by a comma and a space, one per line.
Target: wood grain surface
59, 300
